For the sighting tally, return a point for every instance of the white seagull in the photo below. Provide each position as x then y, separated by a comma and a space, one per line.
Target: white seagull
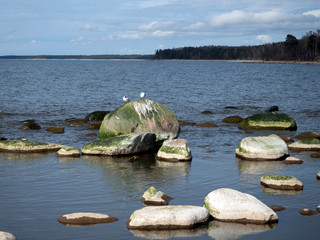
126, 99
142, 95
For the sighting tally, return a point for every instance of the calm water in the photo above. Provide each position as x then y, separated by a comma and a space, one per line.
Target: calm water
36, 189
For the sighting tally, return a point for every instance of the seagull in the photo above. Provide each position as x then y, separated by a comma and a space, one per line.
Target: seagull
142, 95
126, 99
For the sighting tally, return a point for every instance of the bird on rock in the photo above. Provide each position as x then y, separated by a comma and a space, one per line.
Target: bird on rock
126, 99
142, 95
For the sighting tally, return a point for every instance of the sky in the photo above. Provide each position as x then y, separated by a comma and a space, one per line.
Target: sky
84, 27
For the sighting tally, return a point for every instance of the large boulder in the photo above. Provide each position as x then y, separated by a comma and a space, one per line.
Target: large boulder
175, 150
310, 144
6, 236
269, 120
28, 146
230, 205
270, 147
281, 182
168, 217
121, 145
140, 116
86, 218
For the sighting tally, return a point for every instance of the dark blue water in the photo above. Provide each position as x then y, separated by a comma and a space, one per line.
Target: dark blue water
36, 189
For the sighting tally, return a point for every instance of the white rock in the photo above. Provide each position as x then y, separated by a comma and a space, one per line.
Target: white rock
281, 182
68, 152
292, 160
86, 218
229, 205
270, 147
176, 150
6, 236
168, 217
154, 197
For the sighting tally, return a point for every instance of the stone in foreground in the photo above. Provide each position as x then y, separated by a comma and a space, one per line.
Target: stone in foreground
270, 147
175, 150
140, 116
6, 236
311, 144
28, 146
281, 182
68, 152
269, 120
154, 197
168, 217
230, 205
121, 145
86, 218
292, 160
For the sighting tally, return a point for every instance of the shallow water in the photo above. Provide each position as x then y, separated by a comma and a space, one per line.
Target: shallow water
36, 189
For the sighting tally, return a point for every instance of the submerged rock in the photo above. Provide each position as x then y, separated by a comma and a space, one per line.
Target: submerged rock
68, 152
121, 145
96, 116
269, 120
175, 150
277, 208
55, 129
287, 139
206, 124
310, 144
28, 146
140, 116
306, 135
30, 125
86, 218
229, 205
315, 155
6, 236
168, 217
270, 147
307, 212
281, 182
232, 119
154, 197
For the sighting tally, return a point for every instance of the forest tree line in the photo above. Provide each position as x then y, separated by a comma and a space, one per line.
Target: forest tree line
292, 49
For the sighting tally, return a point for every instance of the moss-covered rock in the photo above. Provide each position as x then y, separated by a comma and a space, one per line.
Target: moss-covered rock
310, 144
28, 146
269, 120
270, 147
175, 150
96, 116
140, 116
68, 152
154, 197
121, 145
281, 182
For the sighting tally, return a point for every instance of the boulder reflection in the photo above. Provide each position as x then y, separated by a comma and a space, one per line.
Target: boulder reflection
258, 167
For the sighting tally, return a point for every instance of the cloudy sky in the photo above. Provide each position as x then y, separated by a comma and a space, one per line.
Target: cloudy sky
30, 27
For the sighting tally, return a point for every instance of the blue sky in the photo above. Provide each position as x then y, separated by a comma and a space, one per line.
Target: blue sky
30, 27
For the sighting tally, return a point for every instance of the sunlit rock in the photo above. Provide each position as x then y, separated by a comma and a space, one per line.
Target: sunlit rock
270, 147
269, 120
175, 150
68, 152
310, 144
154, 197
168, 217
28, 146
140, 116
281, 182
292, 160
6, 236
121, 145
230, 205
86, 218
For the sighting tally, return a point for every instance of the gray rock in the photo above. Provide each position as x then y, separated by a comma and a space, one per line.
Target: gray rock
229, 205
6, 236
28, 146
292, 160
86, 218
175, 150
121, 145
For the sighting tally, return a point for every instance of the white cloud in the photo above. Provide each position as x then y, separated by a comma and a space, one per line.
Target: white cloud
195, 26
87, 27
264, 38
315, 13
33, 42
161, 34
149, 26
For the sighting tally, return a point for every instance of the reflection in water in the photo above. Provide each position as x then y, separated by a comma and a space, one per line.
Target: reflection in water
258, 167
226, 231
272, 191
22, 157
139, 174
166, 234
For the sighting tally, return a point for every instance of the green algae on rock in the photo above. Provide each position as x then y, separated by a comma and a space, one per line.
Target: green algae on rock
270, 147
121, 145
281, 182
28, 146
311, 144
268, 120
68, 152
154, 197
175, 150
140, 116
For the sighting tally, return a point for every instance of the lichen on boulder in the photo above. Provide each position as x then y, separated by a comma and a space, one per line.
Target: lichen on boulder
269, 120
270, 147
175, 150
121, 145
310, 144
281, 182
28, 146
140, 116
